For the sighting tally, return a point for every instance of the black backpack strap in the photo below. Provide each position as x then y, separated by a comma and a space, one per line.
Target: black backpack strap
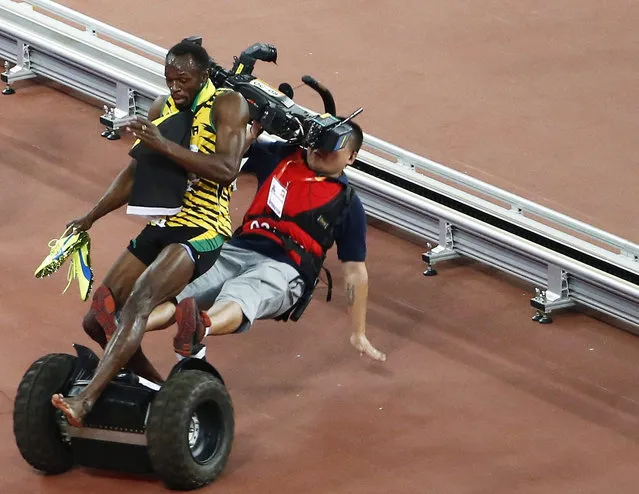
295, 312
348, 199
329, 282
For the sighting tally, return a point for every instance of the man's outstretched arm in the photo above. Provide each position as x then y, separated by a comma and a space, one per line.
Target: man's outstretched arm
356, 284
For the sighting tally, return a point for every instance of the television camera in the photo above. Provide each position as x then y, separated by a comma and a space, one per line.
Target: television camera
275, 109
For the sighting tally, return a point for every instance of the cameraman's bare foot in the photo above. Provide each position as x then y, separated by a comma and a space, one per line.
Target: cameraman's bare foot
74, 409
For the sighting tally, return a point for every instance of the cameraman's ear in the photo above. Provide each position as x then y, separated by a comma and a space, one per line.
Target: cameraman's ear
352, 157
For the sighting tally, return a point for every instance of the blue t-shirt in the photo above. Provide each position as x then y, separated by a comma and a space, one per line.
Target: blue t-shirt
350, 238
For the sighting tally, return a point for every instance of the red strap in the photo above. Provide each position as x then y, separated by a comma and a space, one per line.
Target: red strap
278, 177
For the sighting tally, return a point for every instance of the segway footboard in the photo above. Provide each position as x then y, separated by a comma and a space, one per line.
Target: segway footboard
114, 432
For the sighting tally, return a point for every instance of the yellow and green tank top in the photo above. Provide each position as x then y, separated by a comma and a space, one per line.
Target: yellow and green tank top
205, 203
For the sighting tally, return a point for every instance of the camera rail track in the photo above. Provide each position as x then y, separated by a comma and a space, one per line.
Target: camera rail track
569, 263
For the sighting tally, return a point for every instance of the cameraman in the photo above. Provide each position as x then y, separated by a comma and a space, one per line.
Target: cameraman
302, 205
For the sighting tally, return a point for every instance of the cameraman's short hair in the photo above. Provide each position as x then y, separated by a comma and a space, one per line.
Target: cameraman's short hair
198, 52
356, 141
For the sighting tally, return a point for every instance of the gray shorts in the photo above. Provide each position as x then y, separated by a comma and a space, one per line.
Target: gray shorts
263, 288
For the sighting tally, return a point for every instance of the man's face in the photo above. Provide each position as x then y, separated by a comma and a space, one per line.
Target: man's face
330, 164
184, 79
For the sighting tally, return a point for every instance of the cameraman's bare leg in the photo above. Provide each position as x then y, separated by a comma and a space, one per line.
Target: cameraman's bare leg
160, 282
194, 325
162, 317
111, 295
226, 317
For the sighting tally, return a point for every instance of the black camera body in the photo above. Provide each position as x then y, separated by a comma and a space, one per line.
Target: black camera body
275, 109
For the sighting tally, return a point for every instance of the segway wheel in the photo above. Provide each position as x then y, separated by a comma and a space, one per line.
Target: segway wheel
35, 420
190, 430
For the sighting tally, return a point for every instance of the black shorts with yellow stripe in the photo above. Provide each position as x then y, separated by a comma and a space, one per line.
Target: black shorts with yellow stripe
202, 245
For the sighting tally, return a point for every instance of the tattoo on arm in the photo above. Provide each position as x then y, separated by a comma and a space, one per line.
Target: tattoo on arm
350, 293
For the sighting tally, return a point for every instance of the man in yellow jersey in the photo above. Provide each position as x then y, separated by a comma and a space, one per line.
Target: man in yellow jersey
171, 250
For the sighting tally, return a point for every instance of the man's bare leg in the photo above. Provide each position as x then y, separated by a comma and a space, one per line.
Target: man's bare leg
222, 318
161, 281
226, 317
162, 317
119, 281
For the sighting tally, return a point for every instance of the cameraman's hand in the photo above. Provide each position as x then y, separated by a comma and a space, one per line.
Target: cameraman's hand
252, 135
81, 224
256, 130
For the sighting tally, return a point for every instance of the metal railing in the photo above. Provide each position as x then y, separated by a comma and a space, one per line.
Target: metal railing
96, 27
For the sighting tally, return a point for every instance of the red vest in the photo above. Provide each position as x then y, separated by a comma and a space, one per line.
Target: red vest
314, 206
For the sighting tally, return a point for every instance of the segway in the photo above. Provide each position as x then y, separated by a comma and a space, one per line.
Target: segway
181, 431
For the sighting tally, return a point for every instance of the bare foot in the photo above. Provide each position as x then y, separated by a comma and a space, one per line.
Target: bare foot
73, 409
364, 346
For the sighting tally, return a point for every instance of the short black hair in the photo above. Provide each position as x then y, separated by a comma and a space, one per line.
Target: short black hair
355, 142
198, 52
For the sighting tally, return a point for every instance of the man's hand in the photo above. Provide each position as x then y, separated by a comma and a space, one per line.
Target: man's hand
81, 224
148, 133
256, 130
356, 281
252, 135
361, 343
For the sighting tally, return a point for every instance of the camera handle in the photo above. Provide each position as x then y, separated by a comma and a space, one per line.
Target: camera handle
245, 63
325, 94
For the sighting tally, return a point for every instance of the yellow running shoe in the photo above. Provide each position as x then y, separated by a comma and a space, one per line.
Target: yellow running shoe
80, 269
61, 249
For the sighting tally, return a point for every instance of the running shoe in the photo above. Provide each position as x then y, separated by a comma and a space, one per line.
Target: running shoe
61, 249
104, 309
81, 260
191, 324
